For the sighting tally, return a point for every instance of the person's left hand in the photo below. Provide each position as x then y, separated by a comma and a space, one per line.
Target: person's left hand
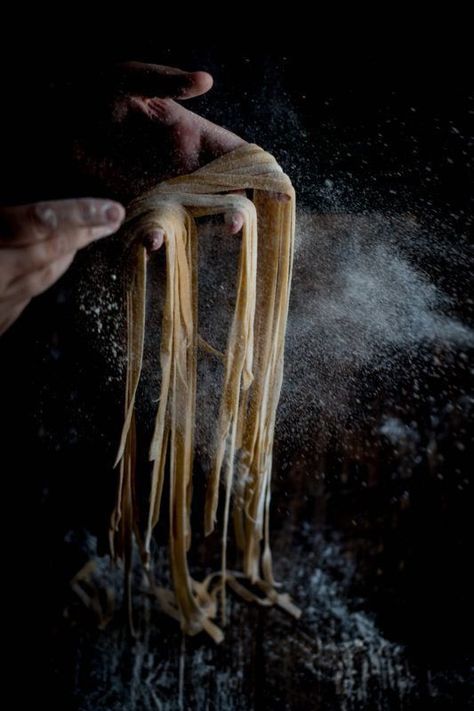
38, 243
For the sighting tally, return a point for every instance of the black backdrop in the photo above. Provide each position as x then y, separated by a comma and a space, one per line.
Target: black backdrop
392, 127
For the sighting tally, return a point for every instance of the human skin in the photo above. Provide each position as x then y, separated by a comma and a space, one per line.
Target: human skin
130, 133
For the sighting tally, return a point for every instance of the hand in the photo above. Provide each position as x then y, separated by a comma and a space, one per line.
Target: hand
38, 243
134, 134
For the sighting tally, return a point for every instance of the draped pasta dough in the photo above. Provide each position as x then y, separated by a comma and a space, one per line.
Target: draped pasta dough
253, 371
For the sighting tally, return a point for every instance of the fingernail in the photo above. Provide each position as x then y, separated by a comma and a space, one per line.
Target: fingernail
234, 224
47, 216
112, 213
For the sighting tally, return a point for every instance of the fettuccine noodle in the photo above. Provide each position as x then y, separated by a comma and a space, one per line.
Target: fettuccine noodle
253, 371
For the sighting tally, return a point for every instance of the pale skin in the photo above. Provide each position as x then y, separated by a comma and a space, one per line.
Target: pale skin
39, 241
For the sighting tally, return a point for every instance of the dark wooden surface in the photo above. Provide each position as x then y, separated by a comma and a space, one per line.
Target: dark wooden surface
373, 545
337, 656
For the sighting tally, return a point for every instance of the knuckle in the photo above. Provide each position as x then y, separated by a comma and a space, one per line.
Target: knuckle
42, 216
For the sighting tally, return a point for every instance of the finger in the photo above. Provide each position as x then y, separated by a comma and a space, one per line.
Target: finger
28, 258
27, 224
165, 111
221, 225
234, 221
230, 225
36, 282
153, 240
214, 140
141, 79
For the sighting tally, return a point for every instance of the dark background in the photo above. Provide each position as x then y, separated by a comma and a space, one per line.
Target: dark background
391, 127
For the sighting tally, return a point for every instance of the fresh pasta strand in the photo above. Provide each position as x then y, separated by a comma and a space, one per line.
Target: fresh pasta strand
253, 373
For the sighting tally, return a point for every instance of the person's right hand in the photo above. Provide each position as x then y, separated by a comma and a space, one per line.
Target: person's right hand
130, 129
39, 241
